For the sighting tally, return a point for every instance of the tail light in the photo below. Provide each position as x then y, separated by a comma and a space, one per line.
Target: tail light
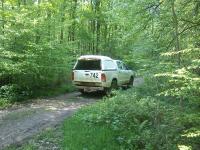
72, 76
103, 77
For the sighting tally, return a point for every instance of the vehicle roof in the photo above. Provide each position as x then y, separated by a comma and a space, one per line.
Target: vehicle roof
95, 57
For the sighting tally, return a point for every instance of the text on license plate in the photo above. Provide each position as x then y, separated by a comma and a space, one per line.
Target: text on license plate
94, 75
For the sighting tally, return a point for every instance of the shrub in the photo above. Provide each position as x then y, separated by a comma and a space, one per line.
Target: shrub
12, 92
140, 123
4, 103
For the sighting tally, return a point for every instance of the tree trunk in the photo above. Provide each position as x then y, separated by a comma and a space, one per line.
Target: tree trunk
3, 21
72, 28
62, 30
176, 32
24, 2
98, 25
62, 21
49, 25
37, 38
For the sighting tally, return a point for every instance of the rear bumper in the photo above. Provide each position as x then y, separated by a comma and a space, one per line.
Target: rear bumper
90, 89
90, 86
87, 84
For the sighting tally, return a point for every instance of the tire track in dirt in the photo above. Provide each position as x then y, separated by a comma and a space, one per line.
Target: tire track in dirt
29, 119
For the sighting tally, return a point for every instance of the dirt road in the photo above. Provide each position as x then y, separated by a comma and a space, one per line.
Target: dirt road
28, 119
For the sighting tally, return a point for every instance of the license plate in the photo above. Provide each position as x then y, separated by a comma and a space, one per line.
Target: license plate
94, 75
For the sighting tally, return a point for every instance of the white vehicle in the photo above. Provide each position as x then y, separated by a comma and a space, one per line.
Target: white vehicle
93, 73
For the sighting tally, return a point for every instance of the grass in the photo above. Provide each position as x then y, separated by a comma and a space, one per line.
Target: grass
80, 135
134, 119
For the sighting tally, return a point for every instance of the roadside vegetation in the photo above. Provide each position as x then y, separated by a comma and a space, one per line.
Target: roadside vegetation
160, 39
134, 119
131, 119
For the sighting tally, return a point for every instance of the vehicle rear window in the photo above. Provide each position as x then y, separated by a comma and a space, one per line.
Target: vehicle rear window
91, 64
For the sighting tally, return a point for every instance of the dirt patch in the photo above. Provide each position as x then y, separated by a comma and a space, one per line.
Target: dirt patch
28, 119
138, 81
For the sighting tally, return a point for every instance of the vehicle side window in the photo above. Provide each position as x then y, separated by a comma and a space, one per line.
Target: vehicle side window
109, 65
125, 67
120, 65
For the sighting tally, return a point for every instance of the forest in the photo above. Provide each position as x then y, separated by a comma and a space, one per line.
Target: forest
40, 41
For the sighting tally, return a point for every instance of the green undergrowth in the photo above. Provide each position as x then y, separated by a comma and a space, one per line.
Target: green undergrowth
134, 119
80, 135
4, 103
48, 92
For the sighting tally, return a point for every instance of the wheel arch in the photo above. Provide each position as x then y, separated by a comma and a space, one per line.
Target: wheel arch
114, 79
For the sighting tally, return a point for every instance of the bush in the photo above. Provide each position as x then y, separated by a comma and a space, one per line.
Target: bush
13, 92
140, 123
4, 103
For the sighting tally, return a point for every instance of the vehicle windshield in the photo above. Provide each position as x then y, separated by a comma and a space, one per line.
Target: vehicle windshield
89, 64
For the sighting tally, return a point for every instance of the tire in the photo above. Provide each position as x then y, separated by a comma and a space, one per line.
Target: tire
113, 86
130, 84
81, 91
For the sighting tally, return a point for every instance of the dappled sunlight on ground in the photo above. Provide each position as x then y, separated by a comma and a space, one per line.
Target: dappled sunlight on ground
184, 147
18, 123
190, 140
192, 134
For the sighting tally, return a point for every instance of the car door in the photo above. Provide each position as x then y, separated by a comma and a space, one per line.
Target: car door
127, 73
121, 73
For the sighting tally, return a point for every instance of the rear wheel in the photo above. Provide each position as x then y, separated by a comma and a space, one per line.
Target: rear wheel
130, 84
82, 91
113, 86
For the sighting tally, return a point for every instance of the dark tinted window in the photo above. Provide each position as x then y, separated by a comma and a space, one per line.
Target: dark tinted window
88, 65
125, 67
119, 64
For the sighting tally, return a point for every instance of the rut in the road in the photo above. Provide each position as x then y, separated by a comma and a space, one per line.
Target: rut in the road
19, 124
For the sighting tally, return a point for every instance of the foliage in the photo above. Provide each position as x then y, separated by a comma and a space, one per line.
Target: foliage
31, 60
4, 103
134, 119
41, 39
183, 83
144, 123
79, 135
